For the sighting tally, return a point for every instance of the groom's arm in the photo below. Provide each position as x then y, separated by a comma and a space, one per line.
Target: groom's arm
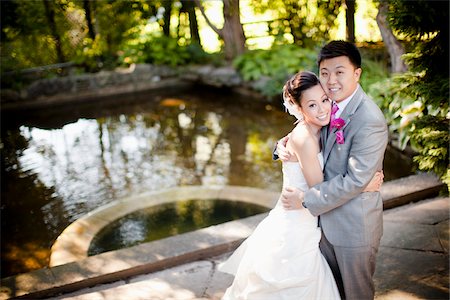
275, 153
365, 158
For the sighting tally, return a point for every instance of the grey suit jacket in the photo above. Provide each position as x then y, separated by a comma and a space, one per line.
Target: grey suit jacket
348, 216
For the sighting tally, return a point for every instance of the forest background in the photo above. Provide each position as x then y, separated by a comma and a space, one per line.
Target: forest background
404, 44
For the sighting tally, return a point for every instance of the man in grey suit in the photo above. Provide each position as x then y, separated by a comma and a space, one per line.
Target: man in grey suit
353, 151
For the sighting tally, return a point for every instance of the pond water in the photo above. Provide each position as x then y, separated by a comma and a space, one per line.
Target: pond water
60, 163
169, 219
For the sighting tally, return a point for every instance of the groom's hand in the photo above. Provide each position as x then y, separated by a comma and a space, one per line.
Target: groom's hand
292, 198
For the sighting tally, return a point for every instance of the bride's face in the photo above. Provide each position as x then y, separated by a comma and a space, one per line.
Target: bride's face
315, 106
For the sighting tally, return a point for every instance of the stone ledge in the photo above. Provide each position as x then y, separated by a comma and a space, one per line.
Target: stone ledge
93, 95
73, 243
180, 249
144, 258
409, 189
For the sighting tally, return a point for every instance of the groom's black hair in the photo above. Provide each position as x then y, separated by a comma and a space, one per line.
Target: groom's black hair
340, 48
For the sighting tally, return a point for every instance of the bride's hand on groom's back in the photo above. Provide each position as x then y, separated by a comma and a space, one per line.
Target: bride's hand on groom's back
376, 182
282, 151
292, 198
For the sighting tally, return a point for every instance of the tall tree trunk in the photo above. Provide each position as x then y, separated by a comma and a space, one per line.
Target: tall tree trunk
87, 10
189, 7
50, 14
232, 32
394, 47
350, 19
166, 17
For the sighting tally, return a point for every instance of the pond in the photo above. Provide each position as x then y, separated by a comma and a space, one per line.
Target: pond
60, 163
169, 219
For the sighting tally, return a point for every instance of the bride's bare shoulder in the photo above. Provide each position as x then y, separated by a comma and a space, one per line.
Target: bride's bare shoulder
300, 135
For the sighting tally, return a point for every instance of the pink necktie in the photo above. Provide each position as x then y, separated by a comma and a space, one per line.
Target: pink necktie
334, 109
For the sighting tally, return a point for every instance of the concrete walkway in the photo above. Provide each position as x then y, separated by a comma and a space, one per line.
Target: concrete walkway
183, 266
413, 263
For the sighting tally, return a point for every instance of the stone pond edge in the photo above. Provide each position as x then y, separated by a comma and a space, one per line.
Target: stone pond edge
169, 252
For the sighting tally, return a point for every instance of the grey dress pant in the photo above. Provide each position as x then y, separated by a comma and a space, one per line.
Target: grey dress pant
353, 269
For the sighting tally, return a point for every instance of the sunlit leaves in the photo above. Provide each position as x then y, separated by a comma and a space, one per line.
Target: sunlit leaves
432, 138
416, 102
308, 21
278, 64
161, 50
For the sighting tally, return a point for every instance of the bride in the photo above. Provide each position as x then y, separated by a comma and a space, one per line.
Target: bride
282, 259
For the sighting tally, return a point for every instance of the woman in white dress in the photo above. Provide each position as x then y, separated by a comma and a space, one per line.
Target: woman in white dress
282, 259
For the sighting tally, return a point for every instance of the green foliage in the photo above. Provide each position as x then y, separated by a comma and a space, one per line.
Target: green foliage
373, 72
432, 139
307, 21
419, 18
28, 41
399, 108
282, 61
161, 50
276, 64
417, 101
88, 55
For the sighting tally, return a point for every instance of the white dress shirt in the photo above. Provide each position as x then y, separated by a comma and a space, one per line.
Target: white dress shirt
344, 103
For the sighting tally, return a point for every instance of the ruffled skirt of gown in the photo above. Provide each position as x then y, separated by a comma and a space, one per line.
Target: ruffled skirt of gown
281, 259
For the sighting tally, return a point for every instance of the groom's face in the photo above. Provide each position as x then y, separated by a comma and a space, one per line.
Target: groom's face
339, 77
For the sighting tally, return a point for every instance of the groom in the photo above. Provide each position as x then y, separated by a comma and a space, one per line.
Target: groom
353, 150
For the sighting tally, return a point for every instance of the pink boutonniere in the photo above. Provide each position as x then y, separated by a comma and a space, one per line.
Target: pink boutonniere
338, 123
339, 137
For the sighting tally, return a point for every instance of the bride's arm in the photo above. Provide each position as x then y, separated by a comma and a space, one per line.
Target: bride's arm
306, 149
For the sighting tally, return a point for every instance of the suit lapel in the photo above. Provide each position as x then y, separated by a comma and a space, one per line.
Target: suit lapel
323, 138
347, 117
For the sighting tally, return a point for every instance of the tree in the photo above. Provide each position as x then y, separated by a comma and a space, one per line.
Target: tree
425, 25
50, 14
350, 19
8, 17
308, 21
88, 14
394, 47
166, 17
189, 8
232, 32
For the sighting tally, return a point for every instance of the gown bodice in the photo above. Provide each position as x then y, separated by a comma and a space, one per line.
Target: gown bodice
293, 175
281, 259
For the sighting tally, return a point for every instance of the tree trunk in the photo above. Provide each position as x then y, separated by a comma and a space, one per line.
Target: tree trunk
87, 10
166, 17
233, 32
189, 7
393, 46
350, 19
50, 14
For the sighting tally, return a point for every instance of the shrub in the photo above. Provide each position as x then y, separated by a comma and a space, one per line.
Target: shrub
162, 50
277, 63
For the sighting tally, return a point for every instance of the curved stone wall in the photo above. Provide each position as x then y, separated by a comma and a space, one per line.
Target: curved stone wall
73, 243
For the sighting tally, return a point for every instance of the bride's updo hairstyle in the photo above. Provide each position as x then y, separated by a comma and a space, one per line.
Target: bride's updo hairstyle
297, 84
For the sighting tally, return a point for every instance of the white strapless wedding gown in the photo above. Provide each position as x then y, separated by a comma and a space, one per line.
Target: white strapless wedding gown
281, 259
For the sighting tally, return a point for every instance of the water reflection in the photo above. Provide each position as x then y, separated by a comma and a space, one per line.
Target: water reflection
58, 164
166, 220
